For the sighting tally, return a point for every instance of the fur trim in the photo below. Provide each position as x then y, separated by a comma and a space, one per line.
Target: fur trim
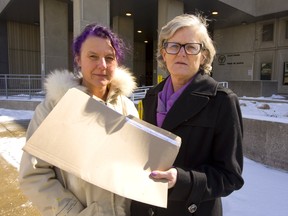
59, 82
123, 82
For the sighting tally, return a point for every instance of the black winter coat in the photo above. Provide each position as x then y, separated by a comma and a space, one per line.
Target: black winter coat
208, 119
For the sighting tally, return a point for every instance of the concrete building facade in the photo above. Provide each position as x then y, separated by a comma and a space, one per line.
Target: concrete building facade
255, 54
251, 37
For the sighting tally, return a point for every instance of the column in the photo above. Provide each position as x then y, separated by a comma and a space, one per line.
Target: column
90, 11
167, 10
53, 35
124, 27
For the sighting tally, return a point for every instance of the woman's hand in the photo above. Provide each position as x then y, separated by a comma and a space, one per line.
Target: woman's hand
170, 175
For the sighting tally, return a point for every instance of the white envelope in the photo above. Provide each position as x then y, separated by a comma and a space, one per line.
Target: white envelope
86, 138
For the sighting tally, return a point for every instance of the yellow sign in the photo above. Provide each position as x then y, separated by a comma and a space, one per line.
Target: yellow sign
159, 78
140, 109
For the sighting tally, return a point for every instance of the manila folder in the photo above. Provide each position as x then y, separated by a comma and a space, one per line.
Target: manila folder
92, 141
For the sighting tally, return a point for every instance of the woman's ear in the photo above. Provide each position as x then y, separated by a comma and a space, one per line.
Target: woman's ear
163, 53
203, 58
77, 60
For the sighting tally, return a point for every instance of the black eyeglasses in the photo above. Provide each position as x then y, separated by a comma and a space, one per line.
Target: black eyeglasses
190, 48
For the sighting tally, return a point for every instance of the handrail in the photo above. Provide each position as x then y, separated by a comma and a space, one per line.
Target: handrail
224, 84
21, 85
31, 86
139, 93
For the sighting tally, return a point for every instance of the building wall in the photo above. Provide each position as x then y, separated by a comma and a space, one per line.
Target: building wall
263, 7
23, 48
266, 142
243, 54
258, 7
235, 53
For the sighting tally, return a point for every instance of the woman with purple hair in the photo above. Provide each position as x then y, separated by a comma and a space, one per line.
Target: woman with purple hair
97, 55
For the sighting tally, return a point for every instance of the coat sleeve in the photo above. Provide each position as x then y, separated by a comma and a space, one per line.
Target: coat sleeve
129, 107
222, 175
38, 179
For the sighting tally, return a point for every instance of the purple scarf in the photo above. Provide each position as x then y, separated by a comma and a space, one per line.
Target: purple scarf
166, 99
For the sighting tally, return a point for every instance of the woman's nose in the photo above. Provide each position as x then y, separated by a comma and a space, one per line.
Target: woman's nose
102, 63
182, 51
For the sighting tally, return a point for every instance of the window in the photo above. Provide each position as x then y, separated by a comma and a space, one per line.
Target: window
267, 32
285, 74
266, 71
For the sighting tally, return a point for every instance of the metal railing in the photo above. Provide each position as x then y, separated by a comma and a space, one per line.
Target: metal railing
21, 85
224, 84
30, 86
139, 93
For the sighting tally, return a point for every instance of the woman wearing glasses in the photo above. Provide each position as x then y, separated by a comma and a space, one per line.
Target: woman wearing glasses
207, 117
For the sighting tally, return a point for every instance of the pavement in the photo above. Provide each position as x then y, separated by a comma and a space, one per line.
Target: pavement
15, 128
12, 200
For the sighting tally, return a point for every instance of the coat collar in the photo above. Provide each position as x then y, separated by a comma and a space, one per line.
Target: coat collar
59, 82
194, 98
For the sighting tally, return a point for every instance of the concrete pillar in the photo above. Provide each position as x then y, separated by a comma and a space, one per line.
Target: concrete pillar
124, 27
167, 10
53, 35
90, 11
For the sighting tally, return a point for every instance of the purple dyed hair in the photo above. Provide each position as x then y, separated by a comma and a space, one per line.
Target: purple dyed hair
102, 32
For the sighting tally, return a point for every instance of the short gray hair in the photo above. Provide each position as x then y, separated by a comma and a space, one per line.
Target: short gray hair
187, 20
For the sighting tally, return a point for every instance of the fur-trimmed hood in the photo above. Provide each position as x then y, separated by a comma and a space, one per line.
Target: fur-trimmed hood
60, 81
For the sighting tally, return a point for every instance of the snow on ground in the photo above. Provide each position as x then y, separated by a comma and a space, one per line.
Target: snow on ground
265, 191
265, 110
10, 115
11, 149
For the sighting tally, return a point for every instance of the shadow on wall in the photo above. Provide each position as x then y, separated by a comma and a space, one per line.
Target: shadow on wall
19, 105
254, 88
266, 142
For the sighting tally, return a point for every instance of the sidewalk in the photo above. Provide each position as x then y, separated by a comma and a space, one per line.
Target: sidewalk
12, 200
13, 128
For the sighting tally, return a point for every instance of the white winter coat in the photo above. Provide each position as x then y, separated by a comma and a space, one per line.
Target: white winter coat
56, 192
